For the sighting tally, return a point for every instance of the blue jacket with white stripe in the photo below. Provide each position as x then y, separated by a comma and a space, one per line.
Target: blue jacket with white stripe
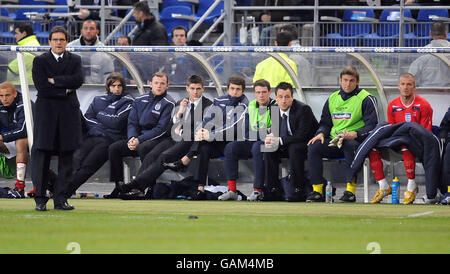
150, 117
12, 120
107, 116
231, 111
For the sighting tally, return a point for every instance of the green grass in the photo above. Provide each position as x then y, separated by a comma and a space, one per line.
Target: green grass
116, 226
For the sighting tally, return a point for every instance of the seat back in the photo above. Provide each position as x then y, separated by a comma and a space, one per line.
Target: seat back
351, 25
389, 22
203, 6
166, 18
424, 19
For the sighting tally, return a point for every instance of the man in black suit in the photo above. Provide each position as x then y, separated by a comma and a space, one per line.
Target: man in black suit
189, 115
57, 121
297, 125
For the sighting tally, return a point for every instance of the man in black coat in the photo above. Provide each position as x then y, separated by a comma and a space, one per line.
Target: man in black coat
57, 121
150, 32
297, 125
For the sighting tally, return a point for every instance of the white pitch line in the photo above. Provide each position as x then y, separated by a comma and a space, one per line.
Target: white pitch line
421, 214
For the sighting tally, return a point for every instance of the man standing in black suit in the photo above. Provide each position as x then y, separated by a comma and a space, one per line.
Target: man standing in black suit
57, 121
297, 126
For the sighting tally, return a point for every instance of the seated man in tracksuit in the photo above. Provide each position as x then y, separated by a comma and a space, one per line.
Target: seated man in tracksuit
297, 126
106, 122
256, 126
349, 113
444, 134
13, 133
149, 124
188, 115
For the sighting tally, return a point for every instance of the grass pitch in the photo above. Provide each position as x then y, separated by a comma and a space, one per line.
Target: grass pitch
164, 227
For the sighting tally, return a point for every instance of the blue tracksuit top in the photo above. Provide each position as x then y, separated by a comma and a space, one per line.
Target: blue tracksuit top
150, 117
12, 120
107, 116
233, 111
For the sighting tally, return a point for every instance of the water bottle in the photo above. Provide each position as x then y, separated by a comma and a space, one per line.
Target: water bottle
328, 193
395, 191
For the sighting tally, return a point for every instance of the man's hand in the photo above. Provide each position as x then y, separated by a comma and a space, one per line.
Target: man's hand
133, 143
349, 135
183, 105
271, 141
319, 136
202, 135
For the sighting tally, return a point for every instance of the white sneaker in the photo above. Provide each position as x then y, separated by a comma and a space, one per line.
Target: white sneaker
227, 196
255, 196
435, 200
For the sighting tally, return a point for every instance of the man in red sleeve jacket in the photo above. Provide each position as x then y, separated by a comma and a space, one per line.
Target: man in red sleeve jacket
408, 107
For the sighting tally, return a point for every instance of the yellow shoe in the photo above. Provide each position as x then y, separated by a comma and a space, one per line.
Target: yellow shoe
380, 194
410, 196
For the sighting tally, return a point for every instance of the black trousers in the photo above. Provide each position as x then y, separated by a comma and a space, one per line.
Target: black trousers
40, 172
206, 151
89, 158
296, 153
317, 151
152, 166
118, 150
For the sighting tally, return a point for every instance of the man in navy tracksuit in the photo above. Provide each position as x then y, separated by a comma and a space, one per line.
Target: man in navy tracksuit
106, 122
149, 123
13, 133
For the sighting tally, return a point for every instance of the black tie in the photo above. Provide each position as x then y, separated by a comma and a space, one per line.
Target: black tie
191, 112
283, 126
59, 59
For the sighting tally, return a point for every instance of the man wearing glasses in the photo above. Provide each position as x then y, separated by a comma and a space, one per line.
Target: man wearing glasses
57, 120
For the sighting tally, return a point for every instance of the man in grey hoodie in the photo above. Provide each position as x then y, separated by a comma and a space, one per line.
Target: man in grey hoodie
429, 70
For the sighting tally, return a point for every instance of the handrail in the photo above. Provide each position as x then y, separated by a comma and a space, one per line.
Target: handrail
241, 49
200, 21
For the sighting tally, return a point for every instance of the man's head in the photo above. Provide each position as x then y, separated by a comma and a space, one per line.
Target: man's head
58, 39
159, 83
7, 93
179, 36
284, 94
89, 31
262, 92
22, 30
349, 79
438, 31
236, 85
115, 83
195, 87
141, 11
284, 39
124, 40
292, 29
407, 86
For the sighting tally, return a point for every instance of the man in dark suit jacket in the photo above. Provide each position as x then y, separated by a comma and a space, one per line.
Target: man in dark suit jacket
297, 125
57, 121
189, 115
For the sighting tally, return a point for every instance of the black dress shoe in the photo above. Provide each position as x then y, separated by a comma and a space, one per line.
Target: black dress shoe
41, 207
113, 195
175, 166
134, 194
64, 206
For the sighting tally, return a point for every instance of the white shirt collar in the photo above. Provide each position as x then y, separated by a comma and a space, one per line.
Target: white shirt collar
285, 112
196, 102
57, 56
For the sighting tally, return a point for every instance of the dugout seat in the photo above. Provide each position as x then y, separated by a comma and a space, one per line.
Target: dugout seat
421, 35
